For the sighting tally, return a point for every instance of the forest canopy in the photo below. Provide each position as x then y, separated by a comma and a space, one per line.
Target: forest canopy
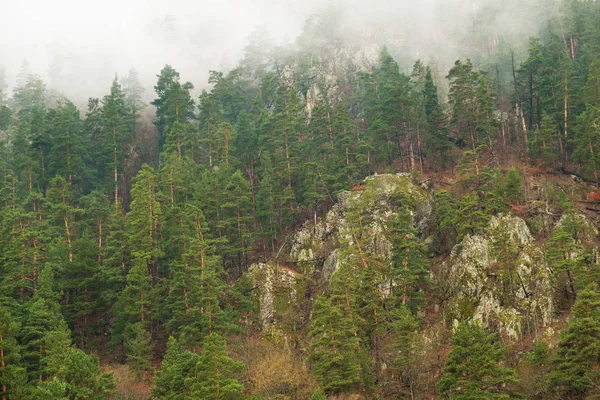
150, 228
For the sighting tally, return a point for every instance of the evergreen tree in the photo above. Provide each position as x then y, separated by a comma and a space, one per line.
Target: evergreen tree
139, 348
215, 374
68, 150
12, 373
473, 370
133, 311
143, 220
173, 104
133, 91
196, 286
409, 267
171, 381
439, 142
575, 364
406, 343
83, 377
116, 133
333, 348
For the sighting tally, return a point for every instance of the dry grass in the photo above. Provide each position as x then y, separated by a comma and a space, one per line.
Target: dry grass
128, 387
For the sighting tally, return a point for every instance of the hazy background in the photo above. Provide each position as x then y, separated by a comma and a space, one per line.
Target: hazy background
77, 46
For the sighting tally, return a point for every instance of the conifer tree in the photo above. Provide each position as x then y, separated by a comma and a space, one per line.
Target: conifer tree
12, 373
209, 119
143, 220
215, 374
266, 200
68, 151
139, 348
409, 267
406, 343
575, 364
171, 381
173, 104
236, 217
562, 253
436, 121
196, 286
84, 377
115, 258
133, 91
473, 369
133, 310
544, 144
333, 348
116, 133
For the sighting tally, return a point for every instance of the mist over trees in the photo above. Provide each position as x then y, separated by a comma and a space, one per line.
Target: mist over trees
129, 223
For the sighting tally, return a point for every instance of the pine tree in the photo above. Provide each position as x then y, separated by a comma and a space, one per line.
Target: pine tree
544, 145
133, 91
472, 106
143, 220
12, 373
406, 343
43, 329
333, 348
52, 389
209, 119
133, 308
173, 104
215, 377
236, 217
473, 370
576, 361
436, 121
409, 266
116, 133
68, 150
83, 377
196, 286
115, 258
562, 254
139, 348
172, 380
266, 201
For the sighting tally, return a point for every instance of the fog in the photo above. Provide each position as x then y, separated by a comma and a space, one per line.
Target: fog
77, 47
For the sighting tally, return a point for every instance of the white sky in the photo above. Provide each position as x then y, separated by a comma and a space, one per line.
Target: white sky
81, 44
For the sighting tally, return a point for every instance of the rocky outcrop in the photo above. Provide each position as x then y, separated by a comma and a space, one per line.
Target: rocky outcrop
500, 278
314, 253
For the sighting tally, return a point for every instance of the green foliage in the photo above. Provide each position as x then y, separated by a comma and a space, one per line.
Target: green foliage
139, 348
318, 395
84, 378
12, 374
334, 348
409, 265
575, 364
171, 381
88, 249
215, 373
473, 369
406, 343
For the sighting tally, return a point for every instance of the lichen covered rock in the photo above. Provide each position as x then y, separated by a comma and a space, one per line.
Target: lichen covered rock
316, 251
314, 247
278, 289
500, 278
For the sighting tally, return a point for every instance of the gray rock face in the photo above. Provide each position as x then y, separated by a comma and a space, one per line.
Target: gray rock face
277, 288
500, 278
315, 251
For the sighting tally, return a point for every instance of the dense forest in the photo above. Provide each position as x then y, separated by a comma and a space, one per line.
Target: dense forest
137, 236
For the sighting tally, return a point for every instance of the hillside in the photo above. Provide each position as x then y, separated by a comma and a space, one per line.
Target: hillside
321, 224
